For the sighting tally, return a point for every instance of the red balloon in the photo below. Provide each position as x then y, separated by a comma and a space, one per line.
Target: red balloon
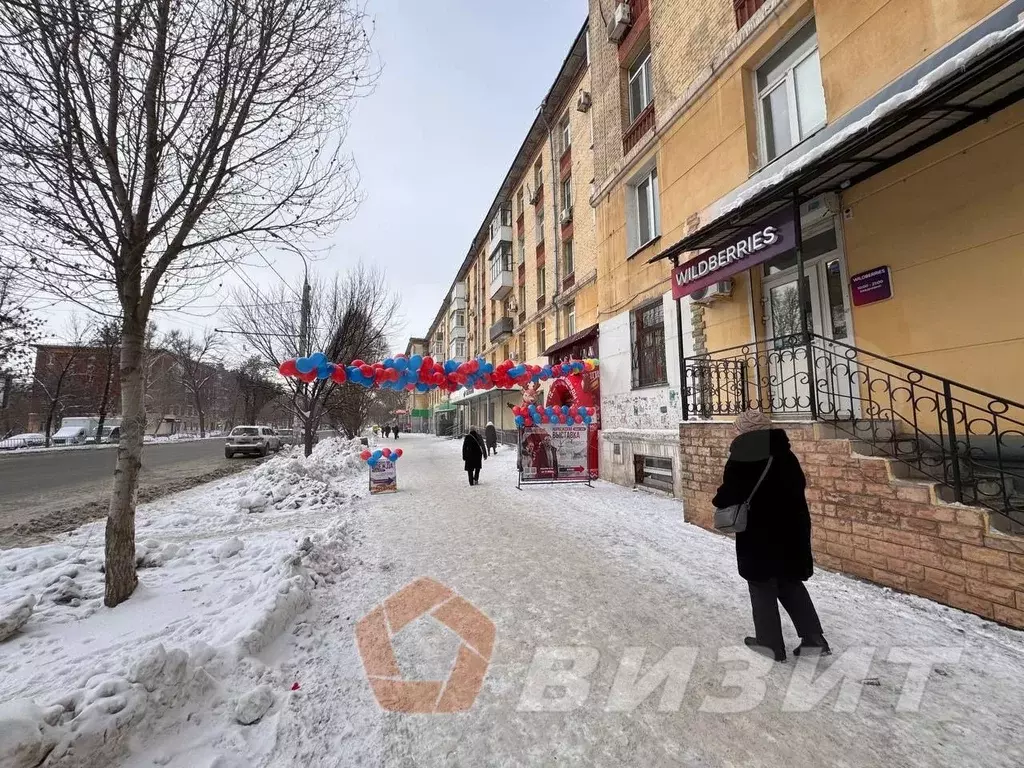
428, 362
365, 455
398, 452
358, 363
338, 375
563, 418
367, 371
308, 378
387, 453
527, 422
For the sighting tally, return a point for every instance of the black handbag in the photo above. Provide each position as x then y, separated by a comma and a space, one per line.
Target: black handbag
734, 519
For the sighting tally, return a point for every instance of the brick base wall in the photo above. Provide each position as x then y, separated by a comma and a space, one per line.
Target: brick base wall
868, 523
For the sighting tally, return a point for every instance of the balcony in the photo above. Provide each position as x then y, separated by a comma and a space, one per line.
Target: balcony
643, 124
501, 330
500, 231
457, 332
501, 283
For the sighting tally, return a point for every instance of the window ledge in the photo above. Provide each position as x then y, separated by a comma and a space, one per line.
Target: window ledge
658, 385
653, 241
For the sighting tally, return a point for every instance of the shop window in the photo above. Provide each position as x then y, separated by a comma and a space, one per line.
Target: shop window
790, 97
654, 472
648, 345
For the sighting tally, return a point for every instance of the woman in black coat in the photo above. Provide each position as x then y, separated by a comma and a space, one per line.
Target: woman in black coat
473, 455
491, 438
774, 552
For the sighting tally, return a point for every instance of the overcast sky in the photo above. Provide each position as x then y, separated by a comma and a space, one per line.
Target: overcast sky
462, 81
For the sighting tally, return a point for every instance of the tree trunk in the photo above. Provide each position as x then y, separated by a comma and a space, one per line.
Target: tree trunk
104, 400
121, 578
307, 428
202, 420
49, 423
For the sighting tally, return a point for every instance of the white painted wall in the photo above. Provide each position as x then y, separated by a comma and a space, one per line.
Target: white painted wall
639, 421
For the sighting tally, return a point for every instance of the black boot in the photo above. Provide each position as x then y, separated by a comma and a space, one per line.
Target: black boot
778, 653
819, 644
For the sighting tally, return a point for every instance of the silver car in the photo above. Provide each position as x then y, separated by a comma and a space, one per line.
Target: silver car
256, 441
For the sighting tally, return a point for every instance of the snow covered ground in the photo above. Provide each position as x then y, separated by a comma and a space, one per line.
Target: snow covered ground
618, 636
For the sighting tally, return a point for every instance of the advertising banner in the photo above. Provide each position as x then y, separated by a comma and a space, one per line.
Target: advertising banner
554, 453
383, 477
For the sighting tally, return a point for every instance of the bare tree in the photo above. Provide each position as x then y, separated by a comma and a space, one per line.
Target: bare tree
107, 338
195, 367
19, 327
352, 316
55, 376
254, 388
146, 144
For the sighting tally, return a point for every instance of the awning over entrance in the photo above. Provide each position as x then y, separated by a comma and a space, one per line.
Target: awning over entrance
571, 341
975, 76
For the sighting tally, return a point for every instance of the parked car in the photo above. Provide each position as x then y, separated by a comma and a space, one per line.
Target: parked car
71, 435
25, 440
111, 434
258, 441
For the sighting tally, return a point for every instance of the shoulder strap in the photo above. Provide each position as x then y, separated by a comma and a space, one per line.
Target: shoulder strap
761, 479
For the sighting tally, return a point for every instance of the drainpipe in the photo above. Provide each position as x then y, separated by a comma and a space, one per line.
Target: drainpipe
685, 402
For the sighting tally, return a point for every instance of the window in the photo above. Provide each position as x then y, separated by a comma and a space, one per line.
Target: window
643, 222
522, 250
501, 261
570, 319
519, 202
539, 216
506, 215
522, 297
540, 282
565, 133
641, 93
654, 472
567, 194
458, 319
790, 98
567, 258
538, 175
460, 348
541, 338
648, 332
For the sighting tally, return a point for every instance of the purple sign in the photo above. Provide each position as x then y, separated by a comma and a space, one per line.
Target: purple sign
871, 286
758, 244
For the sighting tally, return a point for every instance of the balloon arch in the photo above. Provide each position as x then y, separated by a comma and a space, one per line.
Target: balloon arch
417, 373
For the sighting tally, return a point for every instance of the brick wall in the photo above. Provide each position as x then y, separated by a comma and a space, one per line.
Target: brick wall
869, 524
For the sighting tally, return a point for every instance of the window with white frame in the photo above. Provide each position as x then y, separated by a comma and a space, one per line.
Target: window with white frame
539, 218
565, 133
538, 175
458, 319
570, 319
541, 337
460, 348
790, 97
568, 258
540, 282
522, 250
643, 218
567, 194
641, 92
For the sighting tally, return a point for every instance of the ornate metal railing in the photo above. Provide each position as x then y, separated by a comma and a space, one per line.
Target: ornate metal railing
970, 441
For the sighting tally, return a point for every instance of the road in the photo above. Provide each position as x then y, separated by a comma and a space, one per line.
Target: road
48, 492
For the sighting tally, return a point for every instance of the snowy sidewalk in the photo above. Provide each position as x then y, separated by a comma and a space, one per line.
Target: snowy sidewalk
589, 589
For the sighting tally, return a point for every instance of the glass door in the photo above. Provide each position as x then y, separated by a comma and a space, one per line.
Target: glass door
789, 383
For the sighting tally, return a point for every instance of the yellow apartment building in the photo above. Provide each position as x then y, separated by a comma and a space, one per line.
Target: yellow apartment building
419, 406
527, 288
814, 207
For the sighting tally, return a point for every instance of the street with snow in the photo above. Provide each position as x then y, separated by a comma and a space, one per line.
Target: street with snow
617, 636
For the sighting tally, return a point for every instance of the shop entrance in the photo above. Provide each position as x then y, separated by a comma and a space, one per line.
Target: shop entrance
828, 318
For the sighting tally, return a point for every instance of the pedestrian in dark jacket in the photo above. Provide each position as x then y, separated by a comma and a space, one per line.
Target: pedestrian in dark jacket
774, 552
395, 430
473, 455
491, 438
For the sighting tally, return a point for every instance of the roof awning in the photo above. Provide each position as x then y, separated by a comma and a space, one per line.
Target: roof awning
570, 341
972, 78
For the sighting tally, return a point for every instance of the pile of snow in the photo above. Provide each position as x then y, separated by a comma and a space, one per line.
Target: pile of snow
216, 587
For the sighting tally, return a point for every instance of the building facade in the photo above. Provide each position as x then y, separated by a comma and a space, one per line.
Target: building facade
811, 207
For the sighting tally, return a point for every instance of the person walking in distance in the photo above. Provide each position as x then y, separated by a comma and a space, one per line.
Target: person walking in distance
473, 455
773, 553
491, 438
395, 430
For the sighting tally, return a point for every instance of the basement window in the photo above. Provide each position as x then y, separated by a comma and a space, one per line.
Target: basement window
654, 472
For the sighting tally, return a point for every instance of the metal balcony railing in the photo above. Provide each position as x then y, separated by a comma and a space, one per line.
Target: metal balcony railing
969, 441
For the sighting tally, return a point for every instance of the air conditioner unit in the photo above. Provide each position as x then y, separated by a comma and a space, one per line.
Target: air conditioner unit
721, 289
566, 215
618, 24
584, 102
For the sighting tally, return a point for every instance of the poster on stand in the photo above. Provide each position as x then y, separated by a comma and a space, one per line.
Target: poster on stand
552, 453
383, 477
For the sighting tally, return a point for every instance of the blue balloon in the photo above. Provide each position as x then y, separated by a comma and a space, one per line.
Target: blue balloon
323, 371
546, 370
415, 362
520, 421
402, 364
318, 358
587, 419
565, 409
377, 454
450, 366
389, 362
304, 365
550, 410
